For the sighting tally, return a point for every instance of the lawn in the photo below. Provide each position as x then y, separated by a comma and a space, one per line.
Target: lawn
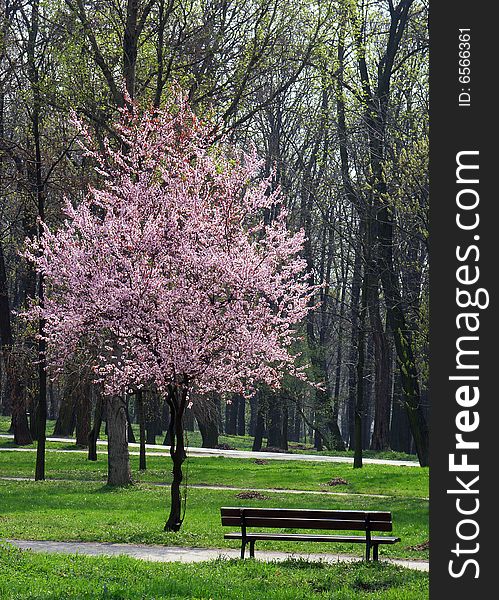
238, 442
57, 577
90, 511
411, 482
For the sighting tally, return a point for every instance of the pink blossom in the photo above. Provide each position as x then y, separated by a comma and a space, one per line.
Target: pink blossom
168, 270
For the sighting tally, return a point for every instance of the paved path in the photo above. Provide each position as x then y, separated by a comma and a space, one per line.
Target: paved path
185, 554
229, 453
221, 488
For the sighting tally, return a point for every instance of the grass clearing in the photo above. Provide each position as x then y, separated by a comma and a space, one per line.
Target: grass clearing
58, 577
94, 512
410, 482
237, 442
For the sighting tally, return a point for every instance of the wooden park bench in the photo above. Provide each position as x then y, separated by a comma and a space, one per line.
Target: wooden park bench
302, 518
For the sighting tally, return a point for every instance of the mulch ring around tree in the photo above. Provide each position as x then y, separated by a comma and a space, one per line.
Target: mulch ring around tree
251, 495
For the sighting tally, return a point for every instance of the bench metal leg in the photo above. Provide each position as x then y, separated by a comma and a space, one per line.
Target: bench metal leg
375, 551
368, 551
252, 549
243, 548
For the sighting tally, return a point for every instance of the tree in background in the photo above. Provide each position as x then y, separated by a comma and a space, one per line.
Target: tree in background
334, 95
168, 276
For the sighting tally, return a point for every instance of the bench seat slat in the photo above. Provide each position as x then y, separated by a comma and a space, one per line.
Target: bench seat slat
352, 515
289, 537
307, 523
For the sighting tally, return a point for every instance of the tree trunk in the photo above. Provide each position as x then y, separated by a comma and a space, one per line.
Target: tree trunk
359, 404
231, 416
153, 417
118, 460
274, 436
253, 415
368, 393
66, 420
38, 186
260, 423
131, 435
209, 433
241, 416
130, 46
188, 424
207, 417
318, 445
20, 426
353, 354
337, 439
284, 434
93, 436
15, 404
139, 398
83, 419
177, 399
400, 434
382, 396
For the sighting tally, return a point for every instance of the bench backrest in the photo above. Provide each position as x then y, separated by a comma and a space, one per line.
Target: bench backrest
307, 518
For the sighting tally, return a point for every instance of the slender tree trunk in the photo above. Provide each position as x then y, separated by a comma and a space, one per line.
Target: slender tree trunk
131, 435
338, 443
354, 349
118, 459
359, 405
93, 436
253, 413
297, 422
260, 423
52, 398
139, 398
367, 413
241, 416
177, 399
284, 435
39, 193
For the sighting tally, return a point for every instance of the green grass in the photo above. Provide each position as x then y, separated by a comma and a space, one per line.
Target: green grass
42, 576
244, 473
136, 514
242, 443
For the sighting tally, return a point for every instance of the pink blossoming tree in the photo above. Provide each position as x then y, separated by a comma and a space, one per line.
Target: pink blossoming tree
168, 275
